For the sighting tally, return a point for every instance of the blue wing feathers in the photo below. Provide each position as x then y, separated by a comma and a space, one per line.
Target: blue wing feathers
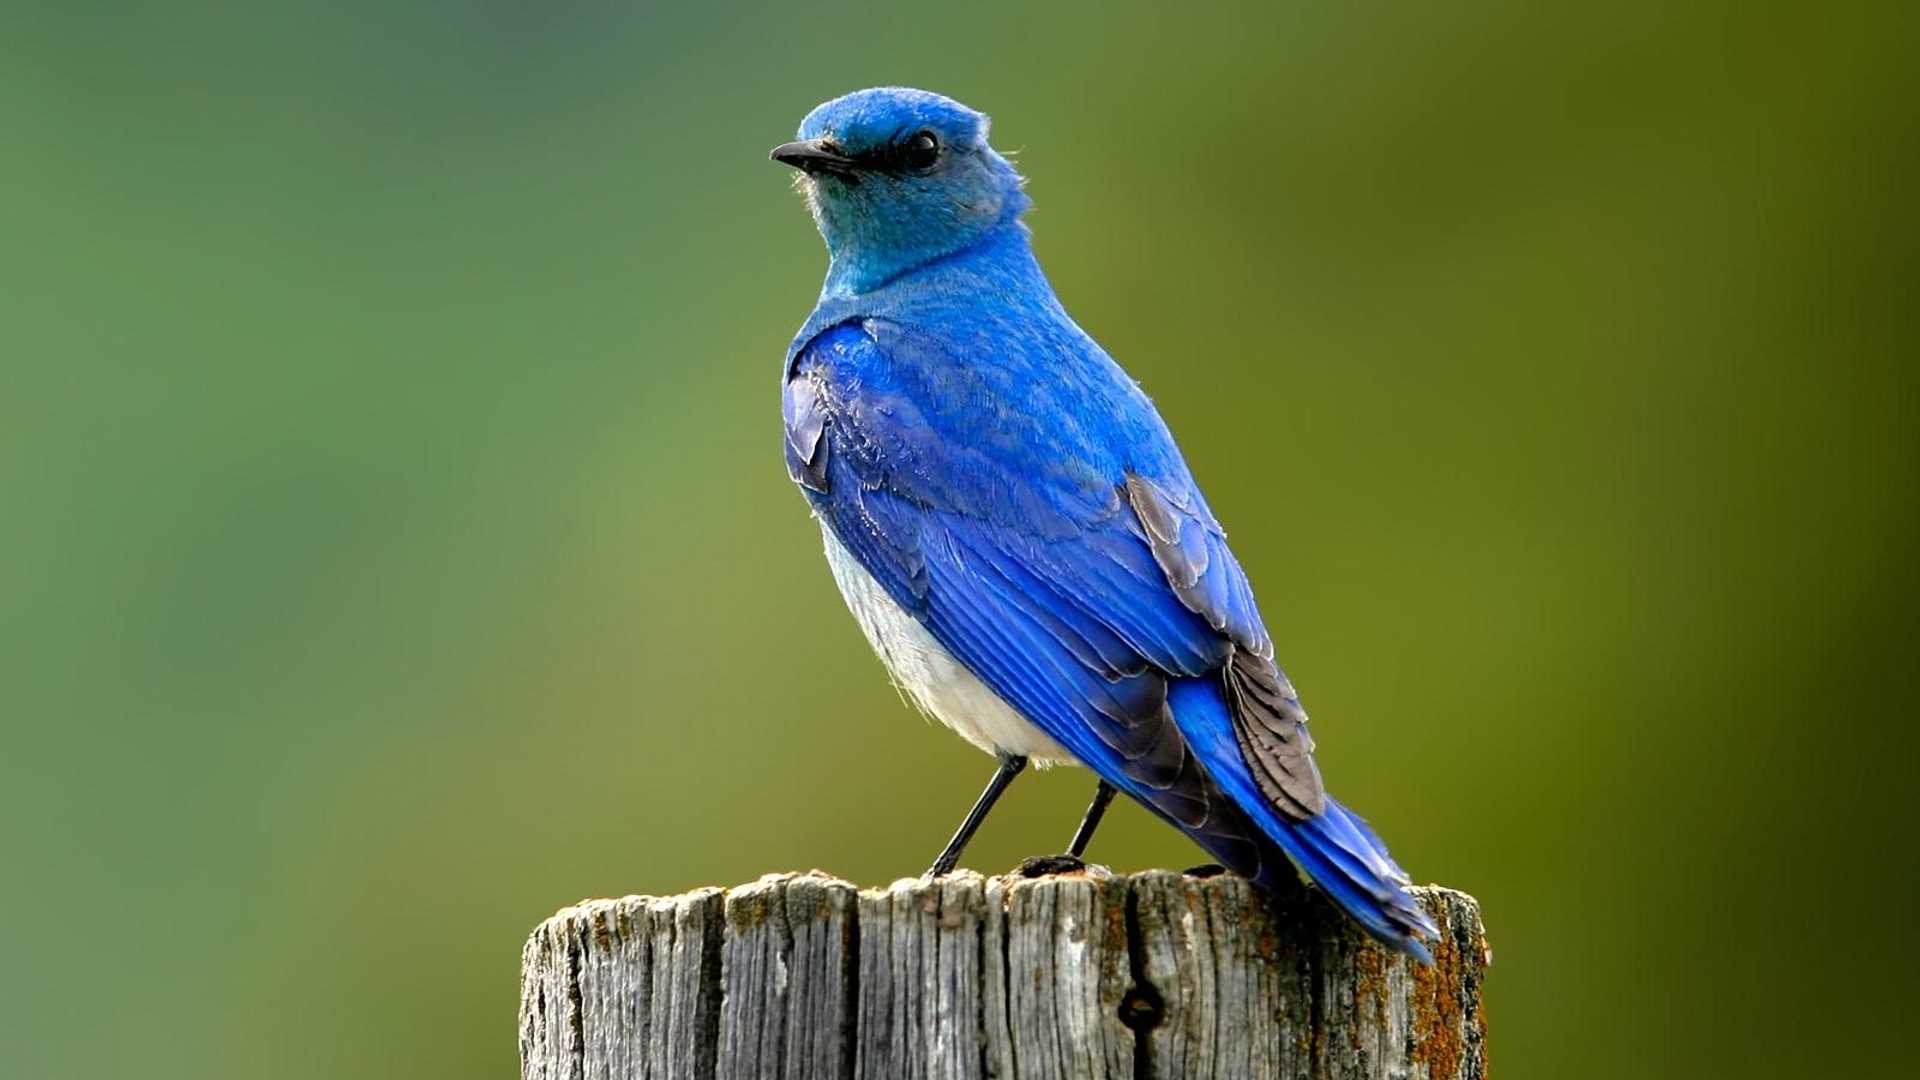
1076, 570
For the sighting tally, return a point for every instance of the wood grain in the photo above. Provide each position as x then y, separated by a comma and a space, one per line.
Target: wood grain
1155, 976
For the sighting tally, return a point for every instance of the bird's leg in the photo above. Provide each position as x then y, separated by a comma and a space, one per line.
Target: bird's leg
1073, 861
1096, 810
1010, 766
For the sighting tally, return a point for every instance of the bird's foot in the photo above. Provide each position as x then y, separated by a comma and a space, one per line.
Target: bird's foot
1205, 870
1039, 866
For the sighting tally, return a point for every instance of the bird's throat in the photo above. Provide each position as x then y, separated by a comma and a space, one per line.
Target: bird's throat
856, 269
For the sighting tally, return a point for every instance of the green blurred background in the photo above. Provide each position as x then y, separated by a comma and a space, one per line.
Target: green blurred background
395, 545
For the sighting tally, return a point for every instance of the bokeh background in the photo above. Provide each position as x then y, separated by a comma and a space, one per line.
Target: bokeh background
395, 547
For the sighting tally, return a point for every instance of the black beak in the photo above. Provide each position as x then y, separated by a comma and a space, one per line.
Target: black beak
813, 156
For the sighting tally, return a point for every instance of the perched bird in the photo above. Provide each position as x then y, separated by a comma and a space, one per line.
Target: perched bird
1014, 529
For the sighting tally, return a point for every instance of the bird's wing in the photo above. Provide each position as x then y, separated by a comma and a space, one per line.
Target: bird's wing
1074, 580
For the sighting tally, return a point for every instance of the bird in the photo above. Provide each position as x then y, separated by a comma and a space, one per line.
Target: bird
1014, 529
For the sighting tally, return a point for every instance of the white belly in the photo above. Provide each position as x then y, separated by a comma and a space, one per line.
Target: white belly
927, 673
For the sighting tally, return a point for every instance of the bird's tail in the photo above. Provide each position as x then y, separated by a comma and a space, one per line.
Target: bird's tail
1347, 860
1335, 847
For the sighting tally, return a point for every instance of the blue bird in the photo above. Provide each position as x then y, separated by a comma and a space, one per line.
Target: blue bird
1014, 529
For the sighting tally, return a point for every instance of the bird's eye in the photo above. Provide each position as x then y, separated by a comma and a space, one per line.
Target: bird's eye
920, 150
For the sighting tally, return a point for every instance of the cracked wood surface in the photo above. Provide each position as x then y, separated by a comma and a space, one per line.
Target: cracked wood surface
1157, 976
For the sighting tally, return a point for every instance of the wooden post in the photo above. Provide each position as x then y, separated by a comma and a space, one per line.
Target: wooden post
1073, 977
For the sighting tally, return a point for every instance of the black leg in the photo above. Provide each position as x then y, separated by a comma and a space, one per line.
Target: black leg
1096, 810
1010, 766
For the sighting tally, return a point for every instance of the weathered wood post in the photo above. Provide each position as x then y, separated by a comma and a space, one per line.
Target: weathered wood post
1073, 977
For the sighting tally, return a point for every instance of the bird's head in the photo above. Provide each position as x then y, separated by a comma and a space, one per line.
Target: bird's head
897, 177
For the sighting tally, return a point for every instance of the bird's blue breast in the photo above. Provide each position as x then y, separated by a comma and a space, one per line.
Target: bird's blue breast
1025, 444
1005, 411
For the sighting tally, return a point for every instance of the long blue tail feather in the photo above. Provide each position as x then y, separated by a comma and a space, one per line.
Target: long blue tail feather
1335, 848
